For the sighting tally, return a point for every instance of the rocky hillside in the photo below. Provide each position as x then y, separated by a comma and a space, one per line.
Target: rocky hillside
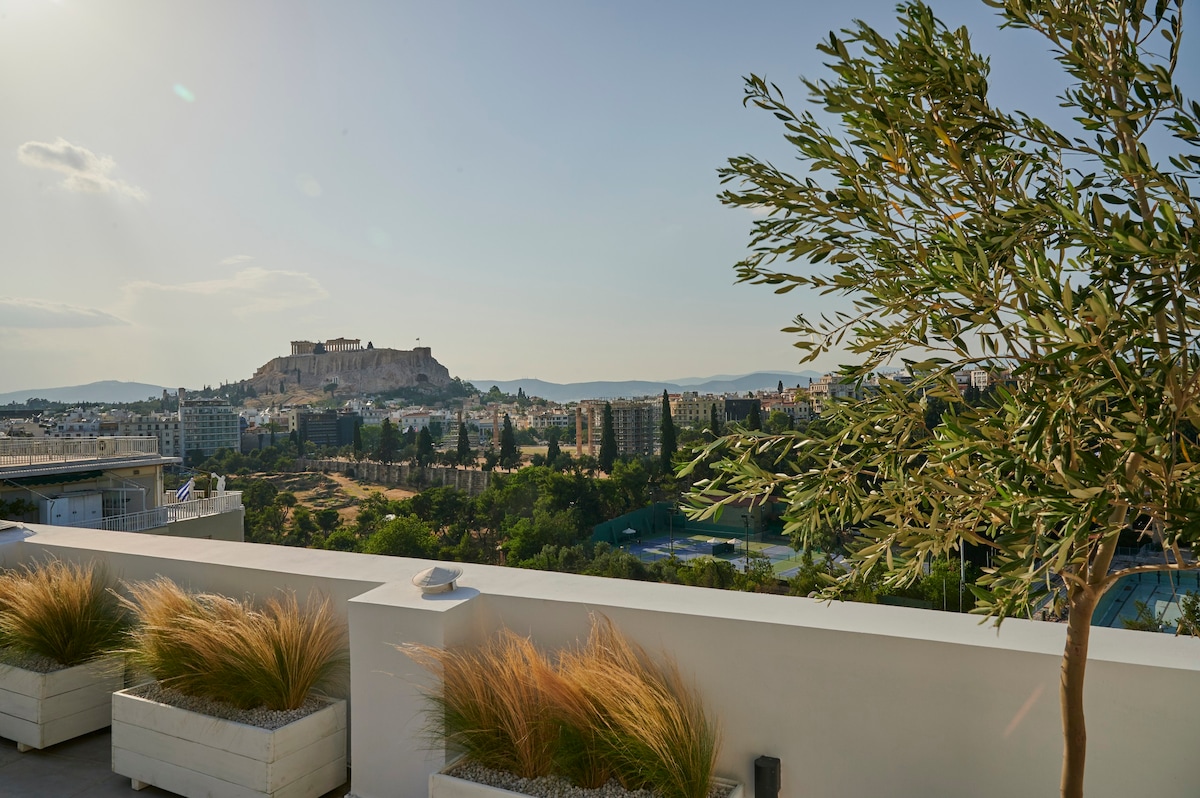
361, 371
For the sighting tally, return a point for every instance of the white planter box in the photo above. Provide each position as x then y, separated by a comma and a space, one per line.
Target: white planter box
41, 709
197, 755
442, 785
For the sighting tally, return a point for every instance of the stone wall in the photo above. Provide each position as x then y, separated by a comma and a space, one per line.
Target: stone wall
404, 475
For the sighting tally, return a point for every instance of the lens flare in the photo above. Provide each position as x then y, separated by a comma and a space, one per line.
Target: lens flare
183, 93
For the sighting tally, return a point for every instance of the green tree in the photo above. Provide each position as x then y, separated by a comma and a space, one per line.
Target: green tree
464, 444
404, 536
959, 235
714, 422
667, 433
608, 440
389, 442
778, 421
753, 418
358, 441
424, 446
508, 444
552, 450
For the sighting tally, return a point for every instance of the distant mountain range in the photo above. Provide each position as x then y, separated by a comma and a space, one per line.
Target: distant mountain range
105, 391
722, 383
115, 391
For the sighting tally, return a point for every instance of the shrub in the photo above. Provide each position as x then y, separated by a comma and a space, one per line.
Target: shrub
216, 647
60, 611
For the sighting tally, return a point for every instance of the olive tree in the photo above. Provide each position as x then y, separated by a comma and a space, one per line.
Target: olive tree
1063, 262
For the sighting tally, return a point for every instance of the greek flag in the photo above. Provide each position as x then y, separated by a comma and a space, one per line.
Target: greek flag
185, 490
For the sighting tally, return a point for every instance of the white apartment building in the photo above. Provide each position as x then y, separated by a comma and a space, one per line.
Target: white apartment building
209, 425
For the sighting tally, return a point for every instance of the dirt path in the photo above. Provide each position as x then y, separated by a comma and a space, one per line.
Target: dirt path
358, 491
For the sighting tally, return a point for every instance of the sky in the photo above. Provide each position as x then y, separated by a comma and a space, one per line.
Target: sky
528, 188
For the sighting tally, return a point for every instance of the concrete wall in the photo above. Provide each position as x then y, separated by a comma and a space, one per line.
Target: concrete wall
857, 700
222, 526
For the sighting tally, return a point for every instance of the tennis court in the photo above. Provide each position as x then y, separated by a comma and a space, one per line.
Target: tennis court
785, 560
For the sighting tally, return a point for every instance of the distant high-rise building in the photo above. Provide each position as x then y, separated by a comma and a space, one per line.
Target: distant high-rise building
208, 425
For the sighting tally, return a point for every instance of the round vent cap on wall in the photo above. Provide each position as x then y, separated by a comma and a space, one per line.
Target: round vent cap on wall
438, 579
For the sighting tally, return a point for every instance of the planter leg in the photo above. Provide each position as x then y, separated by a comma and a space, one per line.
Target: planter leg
138, 785
22, 747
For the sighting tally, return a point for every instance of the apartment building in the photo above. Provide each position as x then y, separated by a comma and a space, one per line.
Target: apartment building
208, 425
690, 409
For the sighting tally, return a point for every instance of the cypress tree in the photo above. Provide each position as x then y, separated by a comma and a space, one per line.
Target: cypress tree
464, 444
552, 450
714, 424
508, 444
389, 442
608, 441
358, 444
669, 445
424, 446
754, 417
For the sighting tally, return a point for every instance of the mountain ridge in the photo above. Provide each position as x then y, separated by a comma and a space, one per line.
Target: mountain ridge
616, 389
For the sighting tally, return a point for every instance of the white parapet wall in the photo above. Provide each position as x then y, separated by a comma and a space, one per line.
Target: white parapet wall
856, 700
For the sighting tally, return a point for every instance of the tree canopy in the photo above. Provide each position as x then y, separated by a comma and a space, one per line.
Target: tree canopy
962, 236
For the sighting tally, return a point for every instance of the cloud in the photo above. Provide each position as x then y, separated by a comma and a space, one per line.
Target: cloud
86, 172
251, 290
39, 315
235, 259
308, 185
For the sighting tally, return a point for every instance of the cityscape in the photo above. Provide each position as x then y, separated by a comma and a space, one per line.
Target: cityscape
920, 520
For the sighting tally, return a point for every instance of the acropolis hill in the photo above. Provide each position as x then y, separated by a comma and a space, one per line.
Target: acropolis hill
311, 366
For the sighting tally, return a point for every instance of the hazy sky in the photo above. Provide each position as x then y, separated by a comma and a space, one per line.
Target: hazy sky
527, 187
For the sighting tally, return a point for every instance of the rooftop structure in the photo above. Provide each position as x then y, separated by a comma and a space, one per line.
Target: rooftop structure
107, 483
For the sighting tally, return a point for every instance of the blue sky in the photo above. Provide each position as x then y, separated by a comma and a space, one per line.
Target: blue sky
527, 187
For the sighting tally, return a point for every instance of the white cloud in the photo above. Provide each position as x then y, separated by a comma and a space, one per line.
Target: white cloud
36, 314
308, 185
251, 290
235, 259
86, 172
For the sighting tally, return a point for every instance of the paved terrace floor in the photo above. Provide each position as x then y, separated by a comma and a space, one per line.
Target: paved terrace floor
79, 768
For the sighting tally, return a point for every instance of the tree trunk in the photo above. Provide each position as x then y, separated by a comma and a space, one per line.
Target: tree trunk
1074, 665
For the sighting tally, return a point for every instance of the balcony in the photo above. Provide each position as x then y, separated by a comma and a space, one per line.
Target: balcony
175, 513
855, 699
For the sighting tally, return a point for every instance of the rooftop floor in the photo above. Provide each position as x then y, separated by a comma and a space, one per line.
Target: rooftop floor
79, 768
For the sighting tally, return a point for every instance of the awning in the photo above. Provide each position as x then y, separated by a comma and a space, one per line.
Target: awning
54, 479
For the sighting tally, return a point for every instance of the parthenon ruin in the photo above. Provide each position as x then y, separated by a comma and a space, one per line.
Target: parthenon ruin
332, 345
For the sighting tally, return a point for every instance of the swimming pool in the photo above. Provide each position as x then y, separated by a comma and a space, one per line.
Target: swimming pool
1160, 591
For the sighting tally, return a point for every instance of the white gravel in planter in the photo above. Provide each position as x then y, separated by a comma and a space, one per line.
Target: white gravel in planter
261, 716
554, 787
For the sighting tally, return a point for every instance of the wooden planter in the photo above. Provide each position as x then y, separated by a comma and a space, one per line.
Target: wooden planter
442, 785
42, 709
197, 755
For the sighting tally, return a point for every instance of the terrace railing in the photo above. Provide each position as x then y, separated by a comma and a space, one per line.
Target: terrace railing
167, 514
34, 451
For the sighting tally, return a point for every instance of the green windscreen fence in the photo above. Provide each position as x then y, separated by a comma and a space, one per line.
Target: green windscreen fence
660, 519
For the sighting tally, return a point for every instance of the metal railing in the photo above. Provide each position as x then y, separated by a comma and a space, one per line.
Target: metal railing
31, 451
167, 514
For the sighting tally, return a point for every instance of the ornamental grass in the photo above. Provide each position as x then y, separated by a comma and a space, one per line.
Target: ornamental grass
59, 611
647, 722
274, 655
599, 711
492, 703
